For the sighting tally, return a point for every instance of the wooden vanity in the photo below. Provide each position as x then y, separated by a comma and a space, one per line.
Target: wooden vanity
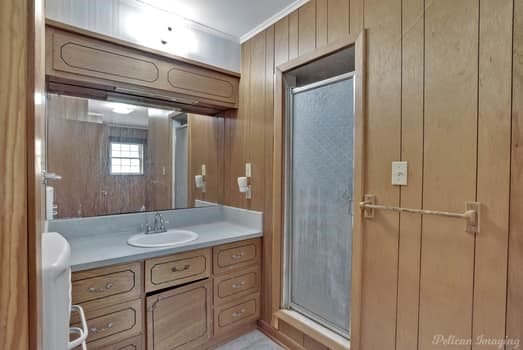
191, 300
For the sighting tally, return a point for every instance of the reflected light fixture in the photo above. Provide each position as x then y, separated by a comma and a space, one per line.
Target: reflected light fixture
122, 108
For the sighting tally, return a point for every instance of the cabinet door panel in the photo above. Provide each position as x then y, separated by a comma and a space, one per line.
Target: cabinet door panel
179, 318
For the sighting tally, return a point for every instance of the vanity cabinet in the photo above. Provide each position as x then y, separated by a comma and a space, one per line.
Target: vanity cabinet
189, 300
76, 56
180, 318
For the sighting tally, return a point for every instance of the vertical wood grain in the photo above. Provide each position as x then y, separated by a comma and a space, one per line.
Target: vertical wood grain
281, 41
411, 195
268, 131
493, 182
380, 246
356, 8
15, 101
236, 123
307, 27
206, 137
293, 35
449, 179
256, 119
515, 273
337, 19
321, 23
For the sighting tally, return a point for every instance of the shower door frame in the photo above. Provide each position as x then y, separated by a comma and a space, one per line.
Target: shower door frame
291, 91
276, 283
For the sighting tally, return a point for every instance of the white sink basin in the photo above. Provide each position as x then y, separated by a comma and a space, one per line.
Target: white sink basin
164, 239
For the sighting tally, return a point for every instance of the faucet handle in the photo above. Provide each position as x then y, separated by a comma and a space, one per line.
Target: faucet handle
147, 227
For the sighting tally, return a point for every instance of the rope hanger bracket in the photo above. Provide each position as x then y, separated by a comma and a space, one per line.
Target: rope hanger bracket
471, 214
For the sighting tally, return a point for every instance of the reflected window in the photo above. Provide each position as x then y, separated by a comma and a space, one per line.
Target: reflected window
126, 158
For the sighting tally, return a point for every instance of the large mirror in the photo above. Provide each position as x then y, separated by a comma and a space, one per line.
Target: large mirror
118, 158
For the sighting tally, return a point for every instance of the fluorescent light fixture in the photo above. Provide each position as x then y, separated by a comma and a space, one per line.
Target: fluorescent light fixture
122, 108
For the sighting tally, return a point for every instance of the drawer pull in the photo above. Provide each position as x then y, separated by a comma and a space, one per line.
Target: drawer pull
238, 313
238, 285
179, 269
237, 256
107, 287
95, 330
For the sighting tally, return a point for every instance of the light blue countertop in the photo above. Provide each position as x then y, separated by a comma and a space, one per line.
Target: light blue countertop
102, 241
89, 252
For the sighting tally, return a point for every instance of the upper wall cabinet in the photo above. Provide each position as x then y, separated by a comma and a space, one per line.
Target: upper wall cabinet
77, 56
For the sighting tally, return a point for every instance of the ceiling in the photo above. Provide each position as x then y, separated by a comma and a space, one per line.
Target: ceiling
233, 17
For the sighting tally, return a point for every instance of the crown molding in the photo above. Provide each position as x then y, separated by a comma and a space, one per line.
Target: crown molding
273, 19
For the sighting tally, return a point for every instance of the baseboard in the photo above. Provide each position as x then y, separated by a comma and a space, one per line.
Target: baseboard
278, 337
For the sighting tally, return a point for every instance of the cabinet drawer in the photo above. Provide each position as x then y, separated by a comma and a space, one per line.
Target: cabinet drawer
113, 324
236, 255
136, 343
231, 315
228, 288
95, 288
177, 269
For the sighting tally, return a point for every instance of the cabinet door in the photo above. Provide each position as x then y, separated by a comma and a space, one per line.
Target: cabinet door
179, 318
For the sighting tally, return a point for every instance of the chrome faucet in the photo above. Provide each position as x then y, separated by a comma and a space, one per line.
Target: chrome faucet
158, 227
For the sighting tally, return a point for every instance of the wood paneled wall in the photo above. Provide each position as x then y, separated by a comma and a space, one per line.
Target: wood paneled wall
16, 117
439, 95
206, 146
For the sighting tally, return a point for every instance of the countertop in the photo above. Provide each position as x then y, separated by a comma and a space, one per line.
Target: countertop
93, 251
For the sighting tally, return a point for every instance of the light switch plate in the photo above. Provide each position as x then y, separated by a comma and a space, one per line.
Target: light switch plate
204, 170
399, 173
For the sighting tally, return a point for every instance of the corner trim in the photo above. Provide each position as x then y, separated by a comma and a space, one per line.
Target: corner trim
271, 20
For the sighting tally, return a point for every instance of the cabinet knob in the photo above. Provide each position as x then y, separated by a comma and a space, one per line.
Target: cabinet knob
238, 285
108, 286
179, 269
237, 256
238, 313
95, 330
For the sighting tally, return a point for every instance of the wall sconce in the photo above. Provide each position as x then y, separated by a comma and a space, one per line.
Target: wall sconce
200, 180
243, 181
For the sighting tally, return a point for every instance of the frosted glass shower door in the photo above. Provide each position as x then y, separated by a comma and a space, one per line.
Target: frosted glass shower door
319, 201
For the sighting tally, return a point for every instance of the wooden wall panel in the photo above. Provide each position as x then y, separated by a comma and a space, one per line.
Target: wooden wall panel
206, 138
281, 41
493, 178
267, 210
15, 84
321, 22
293, 34
515, 273
337, 19
256, 124
236, 134
307, 27
380, 245
438, 96
411, 195
356, 16
450, 143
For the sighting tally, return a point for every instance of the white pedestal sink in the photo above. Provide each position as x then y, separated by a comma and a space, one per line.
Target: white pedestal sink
164, 239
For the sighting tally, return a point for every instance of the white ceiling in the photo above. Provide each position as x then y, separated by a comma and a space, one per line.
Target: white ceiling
233, 17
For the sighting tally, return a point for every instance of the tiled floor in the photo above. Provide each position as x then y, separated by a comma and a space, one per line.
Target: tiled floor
254, 340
